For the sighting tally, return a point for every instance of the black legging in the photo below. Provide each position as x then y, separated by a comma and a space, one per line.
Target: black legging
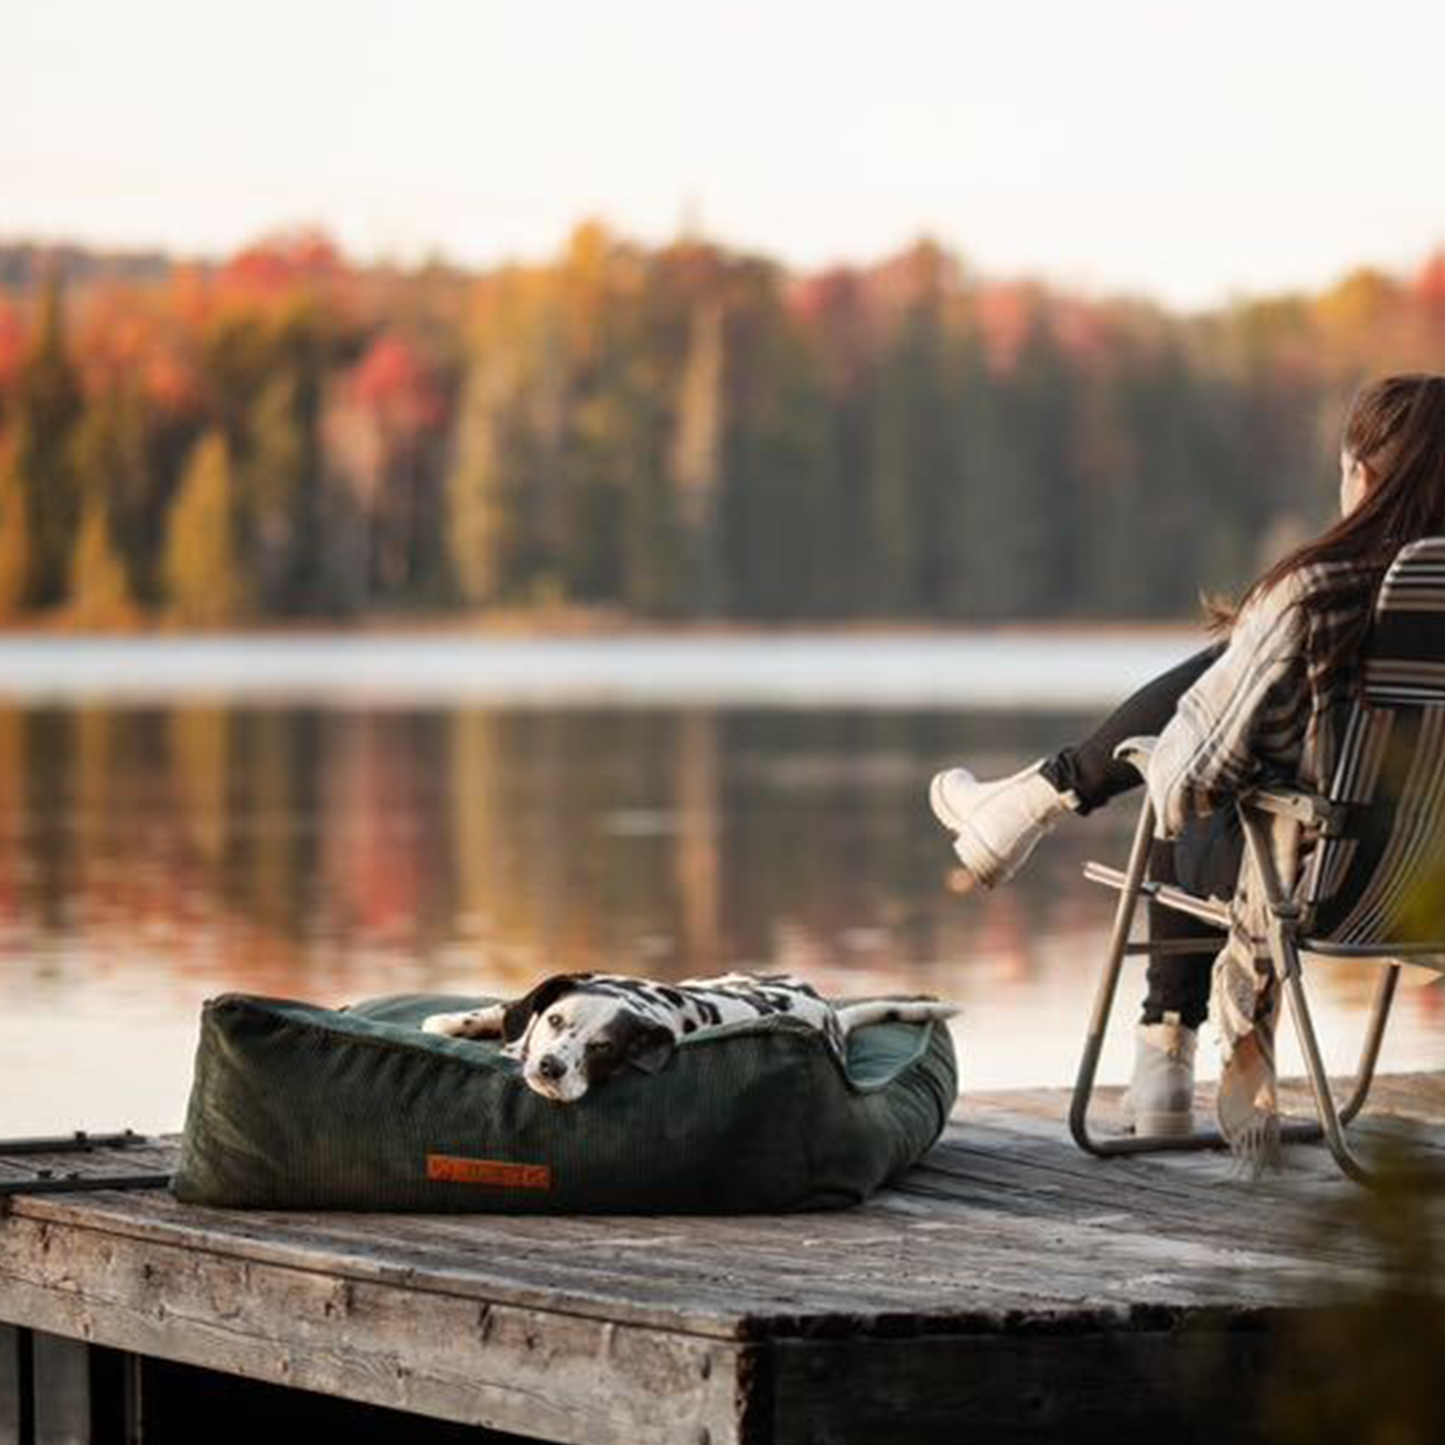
1204, 858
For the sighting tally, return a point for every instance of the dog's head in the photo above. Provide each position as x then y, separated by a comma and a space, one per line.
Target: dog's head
570, 1039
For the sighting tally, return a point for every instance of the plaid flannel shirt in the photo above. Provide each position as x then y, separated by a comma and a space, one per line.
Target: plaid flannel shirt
1262, 708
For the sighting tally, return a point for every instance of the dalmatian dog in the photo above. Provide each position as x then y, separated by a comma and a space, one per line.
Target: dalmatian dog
575, 1031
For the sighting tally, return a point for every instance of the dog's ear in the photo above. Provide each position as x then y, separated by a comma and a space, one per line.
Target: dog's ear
516, 1016
649, 1046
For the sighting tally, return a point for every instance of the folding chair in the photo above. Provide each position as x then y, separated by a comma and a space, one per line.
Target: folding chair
1373, 887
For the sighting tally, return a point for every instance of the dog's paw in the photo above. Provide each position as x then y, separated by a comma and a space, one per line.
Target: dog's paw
479, 1023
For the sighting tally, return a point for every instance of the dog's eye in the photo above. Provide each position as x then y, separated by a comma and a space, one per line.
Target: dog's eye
555, 1020
599, 1046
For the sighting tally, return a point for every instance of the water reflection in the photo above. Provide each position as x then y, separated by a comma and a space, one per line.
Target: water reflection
151, 857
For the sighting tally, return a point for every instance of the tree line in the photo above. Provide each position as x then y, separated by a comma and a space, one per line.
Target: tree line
677, 432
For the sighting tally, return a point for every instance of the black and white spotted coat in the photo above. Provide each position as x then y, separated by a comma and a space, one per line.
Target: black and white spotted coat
575, 1031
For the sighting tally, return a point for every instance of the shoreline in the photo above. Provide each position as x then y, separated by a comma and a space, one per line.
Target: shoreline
1033, 669
581, 625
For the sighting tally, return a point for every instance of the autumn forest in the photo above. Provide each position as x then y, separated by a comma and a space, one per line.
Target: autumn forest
679, 432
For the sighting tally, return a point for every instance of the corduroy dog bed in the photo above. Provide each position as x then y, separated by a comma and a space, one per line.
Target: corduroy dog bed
299, 1107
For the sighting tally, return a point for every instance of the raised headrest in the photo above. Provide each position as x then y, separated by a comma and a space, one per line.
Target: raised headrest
1405, 664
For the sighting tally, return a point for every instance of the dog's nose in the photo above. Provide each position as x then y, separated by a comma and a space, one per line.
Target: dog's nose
551, 1067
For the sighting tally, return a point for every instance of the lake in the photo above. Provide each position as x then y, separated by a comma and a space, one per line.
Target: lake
331, 818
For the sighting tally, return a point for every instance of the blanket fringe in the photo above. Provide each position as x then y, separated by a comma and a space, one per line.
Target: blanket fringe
1256, 1148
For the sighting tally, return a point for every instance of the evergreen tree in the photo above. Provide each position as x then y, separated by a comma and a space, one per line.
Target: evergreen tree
116, 469
238, 353
395, 405
1016, 510
775, 446
656, 563
777, 521
479, 491
620, 505
205, 577
697, 450
912, 466
594, 456
100, 593
838, 334
274, 494
47, 406
15, 535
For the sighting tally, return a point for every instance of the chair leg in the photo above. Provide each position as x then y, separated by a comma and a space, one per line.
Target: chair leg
1285, 954
1331, 1120
1109, 983
1369, 1056
1374, 1036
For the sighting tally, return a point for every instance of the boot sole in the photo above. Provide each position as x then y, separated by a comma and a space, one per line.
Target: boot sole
975, 855
1159, 1125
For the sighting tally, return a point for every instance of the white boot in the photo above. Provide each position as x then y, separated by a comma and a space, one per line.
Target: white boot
1160, 1100
997, 823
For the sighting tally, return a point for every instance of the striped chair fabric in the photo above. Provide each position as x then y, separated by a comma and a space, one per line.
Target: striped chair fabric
1381, 879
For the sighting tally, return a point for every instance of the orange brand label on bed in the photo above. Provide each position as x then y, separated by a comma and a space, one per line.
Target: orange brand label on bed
496, 1172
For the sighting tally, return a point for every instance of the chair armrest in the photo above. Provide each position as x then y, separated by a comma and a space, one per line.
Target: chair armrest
1136, 752
1304, 807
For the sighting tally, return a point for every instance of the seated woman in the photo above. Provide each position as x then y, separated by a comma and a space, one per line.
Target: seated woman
1267, 701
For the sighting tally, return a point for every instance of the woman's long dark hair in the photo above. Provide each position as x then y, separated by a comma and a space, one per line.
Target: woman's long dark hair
1396, 430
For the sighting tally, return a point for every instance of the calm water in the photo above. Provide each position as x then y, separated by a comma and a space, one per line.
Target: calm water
289, 837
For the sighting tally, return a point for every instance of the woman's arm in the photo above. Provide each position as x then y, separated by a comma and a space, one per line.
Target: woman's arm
1250, 706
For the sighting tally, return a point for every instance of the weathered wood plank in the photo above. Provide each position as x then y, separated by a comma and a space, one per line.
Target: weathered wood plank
727, 1268
499, 1265
1205, 1186
156, 1154
551, 1376
768, 1269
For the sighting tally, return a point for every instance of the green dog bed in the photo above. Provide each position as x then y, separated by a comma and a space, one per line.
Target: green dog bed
299, 1107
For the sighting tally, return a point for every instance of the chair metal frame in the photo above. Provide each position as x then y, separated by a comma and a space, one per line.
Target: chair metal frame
1286, 940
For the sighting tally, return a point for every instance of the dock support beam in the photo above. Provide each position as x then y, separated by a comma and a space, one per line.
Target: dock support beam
58, 1391
16, 1427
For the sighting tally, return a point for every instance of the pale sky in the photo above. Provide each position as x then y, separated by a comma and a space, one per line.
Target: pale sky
1190, 151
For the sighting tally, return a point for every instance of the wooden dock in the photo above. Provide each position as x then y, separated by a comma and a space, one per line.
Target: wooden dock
1010, 1288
